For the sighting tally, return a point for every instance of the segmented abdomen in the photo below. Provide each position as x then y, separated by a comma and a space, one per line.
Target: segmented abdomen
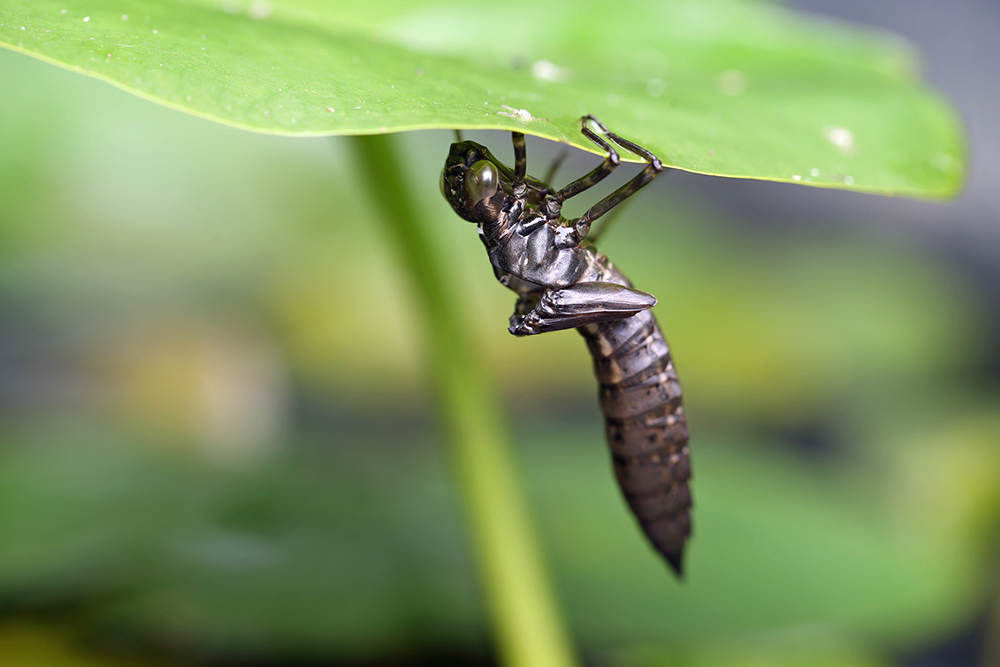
646, 427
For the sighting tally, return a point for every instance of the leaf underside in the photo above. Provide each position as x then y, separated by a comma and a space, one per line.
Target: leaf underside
722, 87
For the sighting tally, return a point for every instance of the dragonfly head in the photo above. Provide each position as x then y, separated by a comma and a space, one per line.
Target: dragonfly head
474, 182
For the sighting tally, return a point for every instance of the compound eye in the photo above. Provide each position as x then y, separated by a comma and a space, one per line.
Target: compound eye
482, 181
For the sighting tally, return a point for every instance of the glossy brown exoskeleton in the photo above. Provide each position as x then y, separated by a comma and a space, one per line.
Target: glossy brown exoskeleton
563, 282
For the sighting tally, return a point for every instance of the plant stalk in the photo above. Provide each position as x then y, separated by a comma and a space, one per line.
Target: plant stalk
528, 627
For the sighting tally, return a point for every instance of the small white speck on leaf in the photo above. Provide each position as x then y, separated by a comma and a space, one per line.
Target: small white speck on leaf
156, 32
124, 17
814, 172
86, 18
62, 11
849, 180
330, 109
544, 70
942, 161
796, 177
260, 9
521, 114
840, 137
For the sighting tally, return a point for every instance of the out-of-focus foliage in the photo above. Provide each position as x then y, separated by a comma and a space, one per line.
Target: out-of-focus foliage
28, 644
725, 87
213, 438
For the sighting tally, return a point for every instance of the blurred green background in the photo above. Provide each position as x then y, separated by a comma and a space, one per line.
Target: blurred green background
218, 443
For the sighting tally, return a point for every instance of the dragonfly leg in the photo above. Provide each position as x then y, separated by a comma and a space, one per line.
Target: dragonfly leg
520, 157
649, 172
602, 170
602, 228
653, 167
577, 306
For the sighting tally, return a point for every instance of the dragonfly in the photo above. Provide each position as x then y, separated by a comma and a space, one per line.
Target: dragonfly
563, 282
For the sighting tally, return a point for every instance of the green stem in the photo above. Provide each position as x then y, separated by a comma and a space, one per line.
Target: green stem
525, 616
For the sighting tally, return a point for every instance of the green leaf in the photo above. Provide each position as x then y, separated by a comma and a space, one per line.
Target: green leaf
721, 87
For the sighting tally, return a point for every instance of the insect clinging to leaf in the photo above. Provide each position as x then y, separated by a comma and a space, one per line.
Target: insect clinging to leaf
563, 282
